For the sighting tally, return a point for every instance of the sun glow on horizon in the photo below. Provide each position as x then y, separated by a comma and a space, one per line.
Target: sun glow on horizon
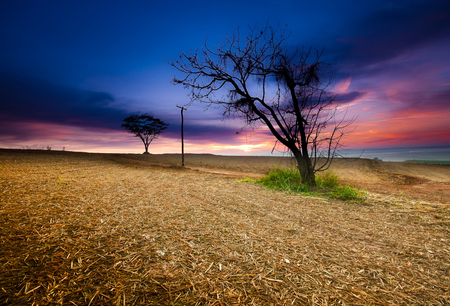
243, 147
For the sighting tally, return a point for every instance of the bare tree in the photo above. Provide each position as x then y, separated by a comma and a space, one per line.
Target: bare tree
256, 77
145, 126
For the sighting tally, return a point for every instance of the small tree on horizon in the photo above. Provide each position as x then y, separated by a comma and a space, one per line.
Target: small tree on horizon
144, 126
258, 78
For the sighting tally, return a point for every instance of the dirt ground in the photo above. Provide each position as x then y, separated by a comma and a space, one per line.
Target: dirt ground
124, 229
423, 183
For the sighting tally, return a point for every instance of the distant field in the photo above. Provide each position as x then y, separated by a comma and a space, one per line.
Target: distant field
128, 229
436, 162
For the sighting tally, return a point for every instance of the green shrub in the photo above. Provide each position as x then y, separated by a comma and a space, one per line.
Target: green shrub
283, 179
327, 185
328, 179
347, 193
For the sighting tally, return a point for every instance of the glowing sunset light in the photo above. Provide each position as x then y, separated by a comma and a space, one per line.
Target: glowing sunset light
245, 148
343, 85
71, 84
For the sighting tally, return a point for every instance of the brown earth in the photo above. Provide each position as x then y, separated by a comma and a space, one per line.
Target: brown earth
124, 229
422, 183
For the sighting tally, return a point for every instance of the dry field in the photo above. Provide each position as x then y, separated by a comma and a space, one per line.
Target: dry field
109, 229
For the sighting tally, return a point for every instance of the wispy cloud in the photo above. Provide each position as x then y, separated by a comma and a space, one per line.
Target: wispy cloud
71, 79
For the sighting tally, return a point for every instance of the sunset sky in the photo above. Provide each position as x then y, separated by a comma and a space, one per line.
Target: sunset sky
71, 71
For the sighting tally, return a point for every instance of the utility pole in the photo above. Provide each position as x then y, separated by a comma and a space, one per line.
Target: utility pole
182, 135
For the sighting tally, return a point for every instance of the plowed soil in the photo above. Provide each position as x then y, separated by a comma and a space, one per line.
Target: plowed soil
420, 182
123, 229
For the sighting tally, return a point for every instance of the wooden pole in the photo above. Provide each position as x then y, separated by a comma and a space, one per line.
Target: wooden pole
182, 135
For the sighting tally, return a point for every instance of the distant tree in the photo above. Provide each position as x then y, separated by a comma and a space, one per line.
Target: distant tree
145, 126
259, 79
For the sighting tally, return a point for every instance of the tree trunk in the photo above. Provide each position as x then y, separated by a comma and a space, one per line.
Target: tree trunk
306, 170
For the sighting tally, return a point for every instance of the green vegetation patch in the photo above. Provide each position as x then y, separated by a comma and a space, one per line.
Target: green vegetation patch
283, 179
348, 193
328, 185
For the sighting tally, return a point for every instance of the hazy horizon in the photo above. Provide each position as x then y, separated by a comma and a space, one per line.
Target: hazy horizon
394, 154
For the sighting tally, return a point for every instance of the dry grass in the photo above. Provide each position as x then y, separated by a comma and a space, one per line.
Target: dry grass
94, 229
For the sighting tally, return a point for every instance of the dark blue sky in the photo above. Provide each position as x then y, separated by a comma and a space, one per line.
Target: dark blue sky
70, 71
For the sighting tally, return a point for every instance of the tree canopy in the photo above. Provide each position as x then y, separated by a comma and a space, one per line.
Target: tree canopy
144, 126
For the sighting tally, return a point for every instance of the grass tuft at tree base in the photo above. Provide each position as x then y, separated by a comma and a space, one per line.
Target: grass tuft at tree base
283, 179
327, 180
327, 185
348, 193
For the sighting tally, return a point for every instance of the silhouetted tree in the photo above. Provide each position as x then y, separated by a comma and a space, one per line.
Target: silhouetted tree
145, 126
258, 78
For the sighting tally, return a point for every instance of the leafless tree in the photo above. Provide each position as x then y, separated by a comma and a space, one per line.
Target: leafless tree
257, 77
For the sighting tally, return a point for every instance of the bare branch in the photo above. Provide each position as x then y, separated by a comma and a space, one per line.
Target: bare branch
255, 77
